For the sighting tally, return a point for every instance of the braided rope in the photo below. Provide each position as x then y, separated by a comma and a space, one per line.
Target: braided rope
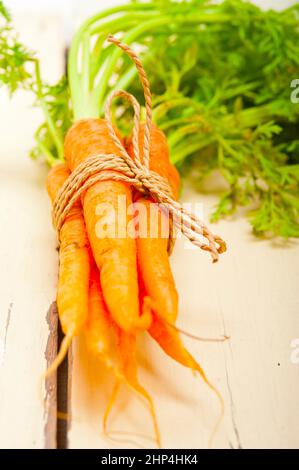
133, 171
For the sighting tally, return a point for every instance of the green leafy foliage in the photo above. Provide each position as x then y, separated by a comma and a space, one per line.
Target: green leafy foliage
223, 98
57, 102
13, 56
220, 73
19, 69
4, 12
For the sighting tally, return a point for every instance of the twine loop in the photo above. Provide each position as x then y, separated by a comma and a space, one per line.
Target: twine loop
135, 171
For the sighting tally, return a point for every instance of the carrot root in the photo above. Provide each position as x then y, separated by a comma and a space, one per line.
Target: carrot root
136, 387
169, 340
66, 342
204, 339
128, 375
111, 402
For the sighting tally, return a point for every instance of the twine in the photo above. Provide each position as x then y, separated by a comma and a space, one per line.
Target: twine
135, 171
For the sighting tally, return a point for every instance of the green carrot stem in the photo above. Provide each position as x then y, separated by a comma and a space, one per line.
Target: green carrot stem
51, 126
101, 90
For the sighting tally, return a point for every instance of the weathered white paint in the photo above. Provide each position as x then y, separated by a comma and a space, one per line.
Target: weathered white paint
27, 253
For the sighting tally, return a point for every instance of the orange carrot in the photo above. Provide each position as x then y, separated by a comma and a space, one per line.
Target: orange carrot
152, 257
154, 269
72, 292
99, 330
128, 370
114, 347
159, 152
114, 256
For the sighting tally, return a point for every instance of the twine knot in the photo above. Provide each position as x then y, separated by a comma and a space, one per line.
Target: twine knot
135, 171
142, 176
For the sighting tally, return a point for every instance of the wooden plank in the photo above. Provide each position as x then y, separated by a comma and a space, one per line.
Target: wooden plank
28, 256
250, 295
50, 429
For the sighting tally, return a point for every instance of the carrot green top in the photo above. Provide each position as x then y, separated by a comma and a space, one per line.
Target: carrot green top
225, 82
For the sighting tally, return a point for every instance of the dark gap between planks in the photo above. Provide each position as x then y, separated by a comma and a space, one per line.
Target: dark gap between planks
57, 386
62, 399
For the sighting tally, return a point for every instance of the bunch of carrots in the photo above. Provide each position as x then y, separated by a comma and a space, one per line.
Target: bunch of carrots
114, 288
110, 288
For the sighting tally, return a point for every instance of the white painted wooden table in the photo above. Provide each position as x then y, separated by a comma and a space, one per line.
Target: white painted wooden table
250, 295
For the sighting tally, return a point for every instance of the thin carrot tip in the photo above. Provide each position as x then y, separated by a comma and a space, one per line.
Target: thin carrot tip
60, 356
